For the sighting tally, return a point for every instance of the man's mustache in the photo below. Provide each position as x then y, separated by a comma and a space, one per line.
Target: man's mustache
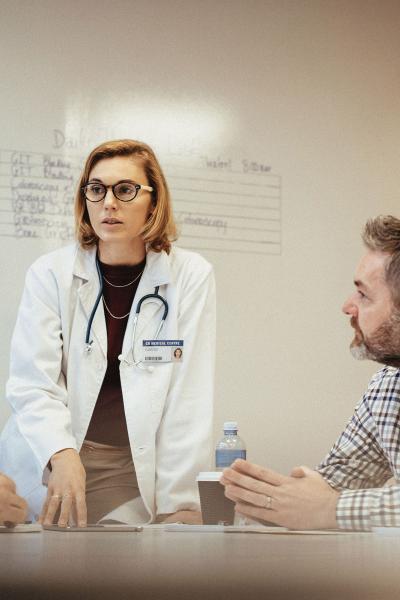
358, 334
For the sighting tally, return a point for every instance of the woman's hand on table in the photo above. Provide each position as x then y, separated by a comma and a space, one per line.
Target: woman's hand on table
66, 489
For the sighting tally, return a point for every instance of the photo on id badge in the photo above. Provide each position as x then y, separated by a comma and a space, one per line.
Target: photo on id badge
177, 355
162, 351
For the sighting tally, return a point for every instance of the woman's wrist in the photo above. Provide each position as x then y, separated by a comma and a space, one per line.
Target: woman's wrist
63, 454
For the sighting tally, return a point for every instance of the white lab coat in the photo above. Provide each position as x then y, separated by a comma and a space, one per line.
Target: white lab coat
54, 384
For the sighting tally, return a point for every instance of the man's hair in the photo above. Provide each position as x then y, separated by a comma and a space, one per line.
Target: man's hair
382, 234
160, 228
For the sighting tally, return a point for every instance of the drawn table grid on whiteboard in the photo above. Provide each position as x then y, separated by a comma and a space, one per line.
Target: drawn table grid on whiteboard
226, 211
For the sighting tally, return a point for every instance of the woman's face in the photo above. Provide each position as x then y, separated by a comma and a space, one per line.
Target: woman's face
115, 222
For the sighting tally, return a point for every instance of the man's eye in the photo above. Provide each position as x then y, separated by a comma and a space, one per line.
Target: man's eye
361, 294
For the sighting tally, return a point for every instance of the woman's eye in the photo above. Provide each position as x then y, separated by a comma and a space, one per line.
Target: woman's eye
96, 189
126, 189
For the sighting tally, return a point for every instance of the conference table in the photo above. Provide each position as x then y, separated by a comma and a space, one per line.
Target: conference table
193, 565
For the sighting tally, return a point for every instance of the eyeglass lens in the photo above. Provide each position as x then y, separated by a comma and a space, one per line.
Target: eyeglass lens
124, 191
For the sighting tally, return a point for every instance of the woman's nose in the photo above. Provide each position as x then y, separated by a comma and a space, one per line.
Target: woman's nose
110, 201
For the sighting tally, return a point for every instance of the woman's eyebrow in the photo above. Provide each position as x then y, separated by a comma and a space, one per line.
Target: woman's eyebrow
119, 181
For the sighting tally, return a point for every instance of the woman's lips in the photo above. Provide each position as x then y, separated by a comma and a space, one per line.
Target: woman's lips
111, 222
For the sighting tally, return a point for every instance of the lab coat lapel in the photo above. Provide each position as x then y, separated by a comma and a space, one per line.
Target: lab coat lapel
85, 268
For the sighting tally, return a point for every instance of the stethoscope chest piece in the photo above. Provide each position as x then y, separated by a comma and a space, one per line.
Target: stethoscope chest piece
156, 296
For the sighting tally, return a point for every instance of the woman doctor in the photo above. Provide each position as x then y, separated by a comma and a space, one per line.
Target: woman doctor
105, 424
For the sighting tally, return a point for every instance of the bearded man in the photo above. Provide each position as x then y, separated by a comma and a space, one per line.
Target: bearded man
347, 489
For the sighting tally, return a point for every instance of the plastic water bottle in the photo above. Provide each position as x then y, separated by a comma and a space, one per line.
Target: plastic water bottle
230, 447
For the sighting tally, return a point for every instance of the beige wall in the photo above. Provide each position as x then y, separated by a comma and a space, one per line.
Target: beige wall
310, 88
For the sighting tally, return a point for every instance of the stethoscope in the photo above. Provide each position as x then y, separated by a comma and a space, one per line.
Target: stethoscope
155, 296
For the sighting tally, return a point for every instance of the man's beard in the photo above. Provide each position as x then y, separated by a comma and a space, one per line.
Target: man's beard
383, 346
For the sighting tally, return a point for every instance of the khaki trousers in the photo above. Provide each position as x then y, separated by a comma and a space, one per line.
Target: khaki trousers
110, 478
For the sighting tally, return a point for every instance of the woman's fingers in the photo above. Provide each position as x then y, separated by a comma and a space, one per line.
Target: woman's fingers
51, 506
81, 510
66, 506
43, 512
72, 507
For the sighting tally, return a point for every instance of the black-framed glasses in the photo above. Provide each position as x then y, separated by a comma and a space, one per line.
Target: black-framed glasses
126, 191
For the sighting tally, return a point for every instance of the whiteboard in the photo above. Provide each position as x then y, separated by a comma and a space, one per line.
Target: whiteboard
277, 125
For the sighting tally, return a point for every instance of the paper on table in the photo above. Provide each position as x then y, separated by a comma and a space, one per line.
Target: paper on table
252, 529
386, 530
23, 528
285, 531
198, 528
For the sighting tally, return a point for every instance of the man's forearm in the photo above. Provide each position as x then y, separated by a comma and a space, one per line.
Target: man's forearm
363, 509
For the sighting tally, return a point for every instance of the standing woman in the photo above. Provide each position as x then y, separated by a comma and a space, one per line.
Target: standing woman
105, 423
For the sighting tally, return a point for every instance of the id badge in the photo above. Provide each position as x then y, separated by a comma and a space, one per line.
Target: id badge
162, 351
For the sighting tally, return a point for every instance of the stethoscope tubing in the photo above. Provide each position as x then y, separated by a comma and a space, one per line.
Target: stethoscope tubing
155, 296
88, 342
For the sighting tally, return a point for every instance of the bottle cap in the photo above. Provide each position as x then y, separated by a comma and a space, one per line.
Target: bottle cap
230, 425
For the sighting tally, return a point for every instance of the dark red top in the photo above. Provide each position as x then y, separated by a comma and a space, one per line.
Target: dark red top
108, 423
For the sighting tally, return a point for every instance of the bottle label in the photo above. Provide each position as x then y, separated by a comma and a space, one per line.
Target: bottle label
224, 458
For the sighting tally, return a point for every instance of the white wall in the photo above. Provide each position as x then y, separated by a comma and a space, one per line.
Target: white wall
306, 88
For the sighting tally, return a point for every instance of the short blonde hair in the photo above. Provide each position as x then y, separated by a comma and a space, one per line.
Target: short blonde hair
160, 229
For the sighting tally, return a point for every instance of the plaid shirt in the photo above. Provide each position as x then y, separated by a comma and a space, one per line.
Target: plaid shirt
366, 455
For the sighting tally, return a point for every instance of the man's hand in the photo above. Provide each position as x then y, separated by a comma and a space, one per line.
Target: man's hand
302, 501
13, 508
66, 487
189, 517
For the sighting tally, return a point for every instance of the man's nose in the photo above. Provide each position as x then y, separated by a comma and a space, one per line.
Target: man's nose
350, 307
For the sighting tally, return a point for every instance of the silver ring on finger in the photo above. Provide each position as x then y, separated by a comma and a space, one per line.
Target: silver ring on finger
268, 502
58, 496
